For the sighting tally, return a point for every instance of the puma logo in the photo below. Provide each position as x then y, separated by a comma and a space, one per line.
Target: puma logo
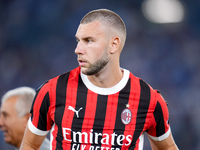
76, 111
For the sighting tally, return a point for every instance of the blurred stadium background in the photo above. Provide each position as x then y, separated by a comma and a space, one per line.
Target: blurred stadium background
163, 47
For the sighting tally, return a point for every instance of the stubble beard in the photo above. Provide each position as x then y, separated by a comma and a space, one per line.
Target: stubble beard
98, 65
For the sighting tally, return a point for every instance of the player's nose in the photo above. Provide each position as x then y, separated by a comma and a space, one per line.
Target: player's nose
79, 48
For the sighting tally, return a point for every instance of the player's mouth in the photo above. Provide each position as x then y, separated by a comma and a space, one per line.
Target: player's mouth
81, 62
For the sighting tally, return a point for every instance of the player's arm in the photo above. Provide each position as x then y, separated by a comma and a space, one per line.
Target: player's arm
159, 133
31, 141
36, 129
166, 144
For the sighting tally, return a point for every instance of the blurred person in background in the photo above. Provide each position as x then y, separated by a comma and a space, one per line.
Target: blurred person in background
14, 115
99, 105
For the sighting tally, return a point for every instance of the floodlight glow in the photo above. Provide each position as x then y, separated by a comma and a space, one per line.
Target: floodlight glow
163, 11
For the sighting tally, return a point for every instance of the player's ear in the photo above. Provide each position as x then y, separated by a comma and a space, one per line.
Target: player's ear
115, 42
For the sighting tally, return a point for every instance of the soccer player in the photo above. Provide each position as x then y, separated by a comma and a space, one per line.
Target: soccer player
14, 115
99, 105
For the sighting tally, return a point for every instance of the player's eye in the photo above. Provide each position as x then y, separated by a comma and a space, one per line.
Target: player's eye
89, 40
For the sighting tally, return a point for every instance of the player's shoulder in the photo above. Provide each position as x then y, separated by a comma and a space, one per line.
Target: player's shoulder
141, 82
144, 85
146, 89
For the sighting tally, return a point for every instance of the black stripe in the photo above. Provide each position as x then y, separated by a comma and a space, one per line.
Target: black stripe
60, 106
142, 111
31, 111
42, 123
37, 91
80, 102
100, 115
123, 99
158, 114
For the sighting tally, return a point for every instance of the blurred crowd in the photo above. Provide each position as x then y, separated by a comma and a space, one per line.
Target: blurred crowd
37, 42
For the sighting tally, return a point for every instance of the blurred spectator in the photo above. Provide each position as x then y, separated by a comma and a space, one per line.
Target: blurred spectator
14, 112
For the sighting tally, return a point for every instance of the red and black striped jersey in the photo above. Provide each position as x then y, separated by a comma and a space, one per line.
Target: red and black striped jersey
82, 116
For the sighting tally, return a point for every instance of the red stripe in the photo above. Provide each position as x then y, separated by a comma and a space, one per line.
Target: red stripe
133, 102
89, 116
68, 115
110, 118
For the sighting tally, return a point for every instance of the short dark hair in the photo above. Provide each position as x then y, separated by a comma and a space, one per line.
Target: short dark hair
107, 17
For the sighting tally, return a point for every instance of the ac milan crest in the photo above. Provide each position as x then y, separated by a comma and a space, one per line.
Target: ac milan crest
126, 116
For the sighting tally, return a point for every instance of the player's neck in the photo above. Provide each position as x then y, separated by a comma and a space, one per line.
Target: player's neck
107, 79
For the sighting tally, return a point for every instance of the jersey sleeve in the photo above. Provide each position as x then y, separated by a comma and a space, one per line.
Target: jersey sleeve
40, 121
160, 128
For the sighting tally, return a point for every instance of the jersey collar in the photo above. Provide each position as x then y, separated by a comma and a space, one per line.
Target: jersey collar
106, 91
